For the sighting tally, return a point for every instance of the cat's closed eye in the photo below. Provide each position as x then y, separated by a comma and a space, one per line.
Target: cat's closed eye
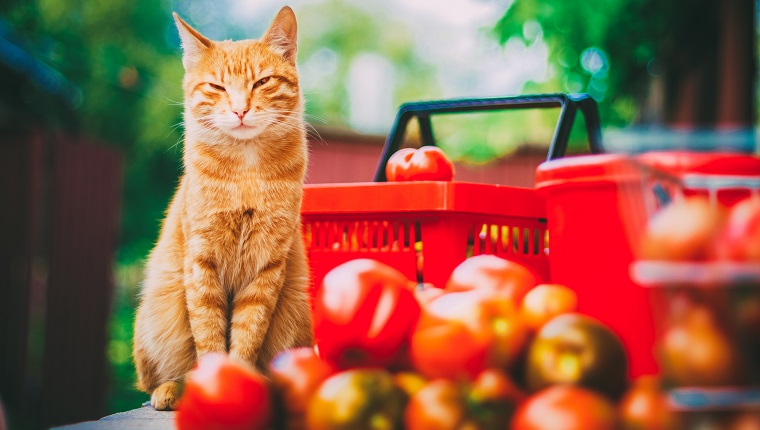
260, 82
216, 87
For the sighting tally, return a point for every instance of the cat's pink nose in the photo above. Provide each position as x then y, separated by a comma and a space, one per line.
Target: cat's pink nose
240, 113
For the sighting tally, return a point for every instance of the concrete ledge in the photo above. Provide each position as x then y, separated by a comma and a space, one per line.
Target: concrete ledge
144, 418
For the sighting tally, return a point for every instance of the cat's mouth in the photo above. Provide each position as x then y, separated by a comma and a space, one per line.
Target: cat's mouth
244, 128
243, 131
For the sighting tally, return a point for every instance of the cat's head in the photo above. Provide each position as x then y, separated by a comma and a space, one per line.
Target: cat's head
242, 89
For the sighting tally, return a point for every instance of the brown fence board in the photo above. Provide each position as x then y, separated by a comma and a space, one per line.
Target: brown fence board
20, 195
85, 189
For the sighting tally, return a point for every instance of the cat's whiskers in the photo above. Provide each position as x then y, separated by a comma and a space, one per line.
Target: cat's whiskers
311, 132
174, 102
282, 127
174, 128
206, 129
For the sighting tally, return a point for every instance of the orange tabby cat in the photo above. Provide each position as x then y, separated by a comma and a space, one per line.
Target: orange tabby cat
228, 272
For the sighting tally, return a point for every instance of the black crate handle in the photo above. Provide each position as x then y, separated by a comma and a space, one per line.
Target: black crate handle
568, 104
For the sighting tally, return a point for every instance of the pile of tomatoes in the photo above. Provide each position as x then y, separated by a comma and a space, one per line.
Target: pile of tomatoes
493, 349
702, 260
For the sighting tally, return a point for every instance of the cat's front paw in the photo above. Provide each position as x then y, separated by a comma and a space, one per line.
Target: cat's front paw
166, 396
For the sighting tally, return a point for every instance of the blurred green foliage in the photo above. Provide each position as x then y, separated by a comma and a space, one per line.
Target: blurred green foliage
333, 34
614, 49
484, 136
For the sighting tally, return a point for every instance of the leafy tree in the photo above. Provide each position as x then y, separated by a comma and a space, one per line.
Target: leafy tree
674, 62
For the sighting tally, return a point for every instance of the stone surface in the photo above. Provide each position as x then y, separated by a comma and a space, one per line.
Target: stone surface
144, 418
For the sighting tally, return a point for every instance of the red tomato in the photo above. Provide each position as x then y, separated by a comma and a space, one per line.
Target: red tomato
644, 407
565, 407
740, 239
357, 399
439, 405
364, 314
224, 394
492, 274
577, 349
428, 163
493, 399
685, 230
545, 302
487, 403
297, 373
461, 334
696, 350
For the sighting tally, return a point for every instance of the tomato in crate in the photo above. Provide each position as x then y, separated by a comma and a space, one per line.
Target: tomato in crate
698, 260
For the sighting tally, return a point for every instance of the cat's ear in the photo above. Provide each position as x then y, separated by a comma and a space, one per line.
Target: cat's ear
282, 34
194, 45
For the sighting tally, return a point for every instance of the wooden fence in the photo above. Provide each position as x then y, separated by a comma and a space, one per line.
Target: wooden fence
59, 213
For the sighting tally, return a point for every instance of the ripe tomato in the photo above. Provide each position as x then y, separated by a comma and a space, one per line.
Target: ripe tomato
364, 314
545, 302
439, 405
565, 407
486, 403
644, 407
296, 374
740, 238
577, 349
490, 273
224, 394
461, 334
493, 398
697, 351
428, 163
357, 399
683, 231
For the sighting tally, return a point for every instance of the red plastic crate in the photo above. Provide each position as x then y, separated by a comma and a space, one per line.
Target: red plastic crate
591, 200
424, 229
598, 207
724, 176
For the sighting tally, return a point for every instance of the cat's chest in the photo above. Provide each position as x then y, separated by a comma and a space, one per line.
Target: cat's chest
239, 193
245, 227
244, 208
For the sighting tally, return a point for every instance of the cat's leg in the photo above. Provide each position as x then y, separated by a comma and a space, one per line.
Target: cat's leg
252, 309
164, 350
291, 324
207, 301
